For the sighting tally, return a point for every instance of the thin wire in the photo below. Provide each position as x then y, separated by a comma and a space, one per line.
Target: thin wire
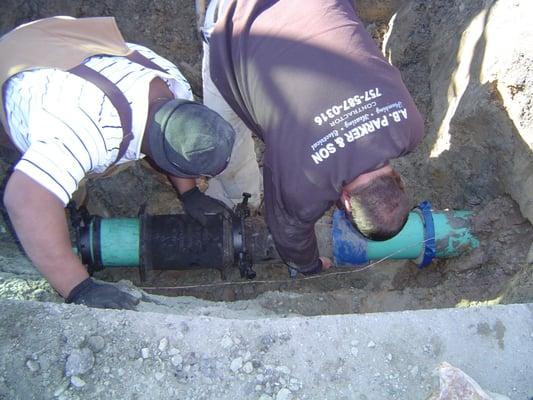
351, 271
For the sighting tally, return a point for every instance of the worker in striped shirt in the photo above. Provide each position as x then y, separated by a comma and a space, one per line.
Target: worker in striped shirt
77, 99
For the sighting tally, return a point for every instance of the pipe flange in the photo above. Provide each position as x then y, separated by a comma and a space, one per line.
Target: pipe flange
430, 250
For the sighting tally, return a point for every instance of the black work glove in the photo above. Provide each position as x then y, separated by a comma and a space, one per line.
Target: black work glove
101, 295
197, 204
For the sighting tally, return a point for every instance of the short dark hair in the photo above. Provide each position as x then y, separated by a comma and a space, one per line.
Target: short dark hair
380, 207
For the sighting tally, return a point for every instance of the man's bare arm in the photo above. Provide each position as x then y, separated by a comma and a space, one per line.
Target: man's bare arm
38, 217
182, 184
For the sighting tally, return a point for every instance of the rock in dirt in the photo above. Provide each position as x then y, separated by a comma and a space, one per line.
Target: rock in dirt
76, 381
79, 362
455, 384
33, 366
236, 364
96, 343
284, 394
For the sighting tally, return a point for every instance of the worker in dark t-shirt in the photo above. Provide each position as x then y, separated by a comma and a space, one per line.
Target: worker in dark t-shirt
308, 80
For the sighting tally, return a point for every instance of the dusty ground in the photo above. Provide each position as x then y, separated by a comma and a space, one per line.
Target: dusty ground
55, 351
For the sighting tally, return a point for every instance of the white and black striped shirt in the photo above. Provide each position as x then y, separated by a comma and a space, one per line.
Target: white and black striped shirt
67, 127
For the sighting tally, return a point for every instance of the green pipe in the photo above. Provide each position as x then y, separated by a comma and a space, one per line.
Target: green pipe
155, 242
176, 241
407, 244
119, 242
452, 237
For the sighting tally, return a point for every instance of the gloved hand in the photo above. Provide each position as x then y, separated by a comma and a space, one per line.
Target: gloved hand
101, 295
197, 204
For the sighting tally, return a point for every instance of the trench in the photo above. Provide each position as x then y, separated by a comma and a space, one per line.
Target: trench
495, 272
489, 274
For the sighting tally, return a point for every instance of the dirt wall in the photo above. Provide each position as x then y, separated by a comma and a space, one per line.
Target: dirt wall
475, 91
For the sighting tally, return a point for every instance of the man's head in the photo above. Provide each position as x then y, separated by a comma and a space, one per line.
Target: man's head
377, 203
187, 139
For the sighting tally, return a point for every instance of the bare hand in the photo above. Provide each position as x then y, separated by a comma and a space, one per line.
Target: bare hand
326, 263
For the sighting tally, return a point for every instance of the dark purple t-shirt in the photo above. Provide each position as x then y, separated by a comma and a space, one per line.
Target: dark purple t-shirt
308, 79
